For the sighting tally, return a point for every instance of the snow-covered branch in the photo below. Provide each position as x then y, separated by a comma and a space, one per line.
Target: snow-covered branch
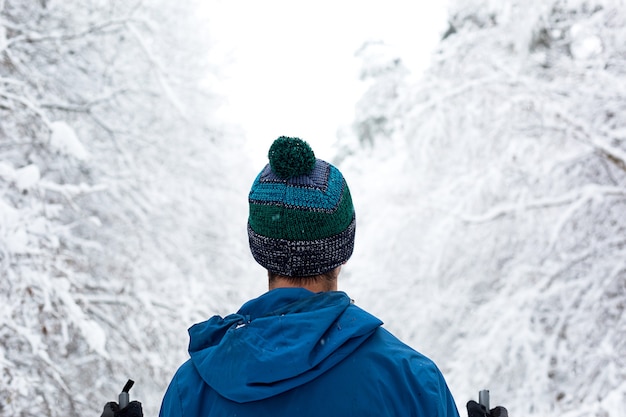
86, 107
588, 192
157, 67
28, 104
29, 36
601, 144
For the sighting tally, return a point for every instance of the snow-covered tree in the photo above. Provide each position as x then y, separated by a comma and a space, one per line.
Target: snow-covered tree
503, 214
114, 185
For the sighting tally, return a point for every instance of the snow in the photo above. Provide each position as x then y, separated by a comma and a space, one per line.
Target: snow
14, 236
64, 139
27, 177
94, 335
585, 44
3, 38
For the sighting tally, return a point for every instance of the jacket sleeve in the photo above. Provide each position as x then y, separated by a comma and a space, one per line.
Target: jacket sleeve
449, 405
430, 393
171, 406
441, 397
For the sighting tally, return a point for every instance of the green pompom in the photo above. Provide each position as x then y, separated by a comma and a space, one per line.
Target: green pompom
291, 157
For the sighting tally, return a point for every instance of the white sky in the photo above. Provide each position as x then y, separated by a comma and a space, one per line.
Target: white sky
292, 67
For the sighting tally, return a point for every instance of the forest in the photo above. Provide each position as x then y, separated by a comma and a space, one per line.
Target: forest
490, 195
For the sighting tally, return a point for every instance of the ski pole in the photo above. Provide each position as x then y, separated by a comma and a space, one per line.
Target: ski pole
483, 398
124, 397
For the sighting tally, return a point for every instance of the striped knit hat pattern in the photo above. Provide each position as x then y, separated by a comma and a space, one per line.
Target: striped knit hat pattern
301, 221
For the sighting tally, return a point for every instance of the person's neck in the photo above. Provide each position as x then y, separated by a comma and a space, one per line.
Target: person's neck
314, 286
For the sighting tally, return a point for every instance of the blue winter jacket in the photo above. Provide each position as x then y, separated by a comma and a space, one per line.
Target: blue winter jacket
295, 353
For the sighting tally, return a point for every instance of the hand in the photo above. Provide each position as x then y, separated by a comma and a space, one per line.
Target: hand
476, 410
112, 409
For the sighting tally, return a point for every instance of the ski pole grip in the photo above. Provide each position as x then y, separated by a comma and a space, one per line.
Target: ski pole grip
483, 398
124, 397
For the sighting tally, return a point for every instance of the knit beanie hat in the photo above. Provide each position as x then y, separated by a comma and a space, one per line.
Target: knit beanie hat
301, 220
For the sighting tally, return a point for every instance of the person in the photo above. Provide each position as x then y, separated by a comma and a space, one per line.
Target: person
303, 348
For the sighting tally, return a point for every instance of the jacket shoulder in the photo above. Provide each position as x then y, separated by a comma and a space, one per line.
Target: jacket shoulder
406, 381
185, 379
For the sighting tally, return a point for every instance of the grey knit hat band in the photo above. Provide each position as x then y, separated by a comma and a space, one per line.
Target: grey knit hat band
302, 258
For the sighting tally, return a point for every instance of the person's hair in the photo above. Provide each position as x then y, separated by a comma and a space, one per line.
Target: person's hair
326, 279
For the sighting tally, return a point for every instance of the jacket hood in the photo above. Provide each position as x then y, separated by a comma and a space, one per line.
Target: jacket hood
276, 342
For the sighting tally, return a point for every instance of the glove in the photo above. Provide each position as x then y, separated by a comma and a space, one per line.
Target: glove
112, 409
476, 410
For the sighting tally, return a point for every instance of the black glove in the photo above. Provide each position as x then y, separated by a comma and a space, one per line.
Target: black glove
476, 410
112, 409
